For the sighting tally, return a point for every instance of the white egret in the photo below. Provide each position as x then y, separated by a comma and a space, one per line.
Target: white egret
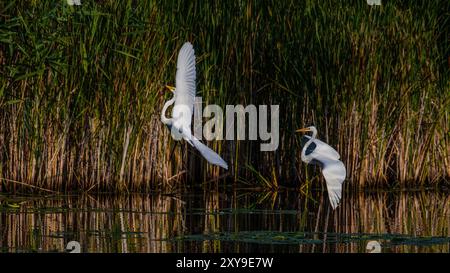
319, 153
183, 97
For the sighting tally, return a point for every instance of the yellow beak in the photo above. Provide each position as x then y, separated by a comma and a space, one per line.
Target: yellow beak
171, 88
303, 130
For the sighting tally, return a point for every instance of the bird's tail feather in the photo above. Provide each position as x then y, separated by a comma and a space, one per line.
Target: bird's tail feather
211, 156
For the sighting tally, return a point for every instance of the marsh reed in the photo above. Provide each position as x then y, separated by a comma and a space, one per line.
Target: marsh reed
82, 88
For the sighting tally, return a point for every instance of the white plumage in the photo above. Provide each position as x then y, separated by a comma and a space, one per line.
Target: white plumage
184, 96
185, 88
333, 170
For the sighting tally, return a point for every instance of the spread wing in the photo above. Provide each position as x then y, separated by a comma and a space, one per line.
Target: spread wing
334, 173
320, 148
184, 103
184, 87
333, 169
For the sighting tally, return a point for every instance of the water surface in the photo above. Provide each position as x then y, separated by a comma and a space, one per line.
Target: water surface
286, 222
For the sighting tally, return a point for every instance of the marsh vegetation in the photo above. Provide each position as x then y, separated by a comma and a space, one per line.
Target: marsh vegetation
81, 90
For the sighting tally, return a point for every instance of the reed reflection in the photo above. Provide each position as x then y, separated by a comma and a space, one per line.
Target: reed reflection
233, 222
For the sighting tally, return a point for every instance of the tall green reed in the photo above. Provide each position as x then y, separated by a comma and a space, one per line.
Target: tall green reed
82, 89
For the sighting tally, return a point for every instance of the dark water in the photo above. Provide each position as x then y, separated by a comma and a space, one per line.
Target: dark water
227, 222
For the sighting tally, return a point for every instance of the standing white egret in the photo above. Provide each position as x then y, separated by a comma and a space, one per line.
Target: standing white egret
183, 97
322, 154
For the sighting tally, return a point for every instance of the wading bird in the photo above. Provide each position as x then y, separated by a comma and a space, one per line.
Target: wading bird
319, 153
183, 97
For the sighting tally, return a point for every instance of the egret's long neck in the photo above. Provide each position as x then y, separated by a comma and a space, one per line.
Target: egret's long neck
313, 136
314, 133
304, 157
164, 119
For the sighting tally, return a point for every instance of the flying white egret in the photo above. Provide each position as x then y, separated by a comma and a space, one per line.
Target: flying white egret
183, 97
319, 153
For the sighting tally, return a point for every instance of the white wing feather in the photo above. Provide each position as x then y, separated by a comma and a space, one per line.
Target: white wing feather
184, 104
334, 173
333, 169
184, 87
324, 149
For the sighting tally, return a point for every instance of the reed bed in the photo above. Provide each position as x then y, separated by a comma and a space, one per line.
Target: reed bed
82, 89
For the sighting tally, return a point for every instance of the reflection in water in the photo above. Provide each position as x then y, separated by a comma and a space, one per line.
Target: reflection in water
235, 222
